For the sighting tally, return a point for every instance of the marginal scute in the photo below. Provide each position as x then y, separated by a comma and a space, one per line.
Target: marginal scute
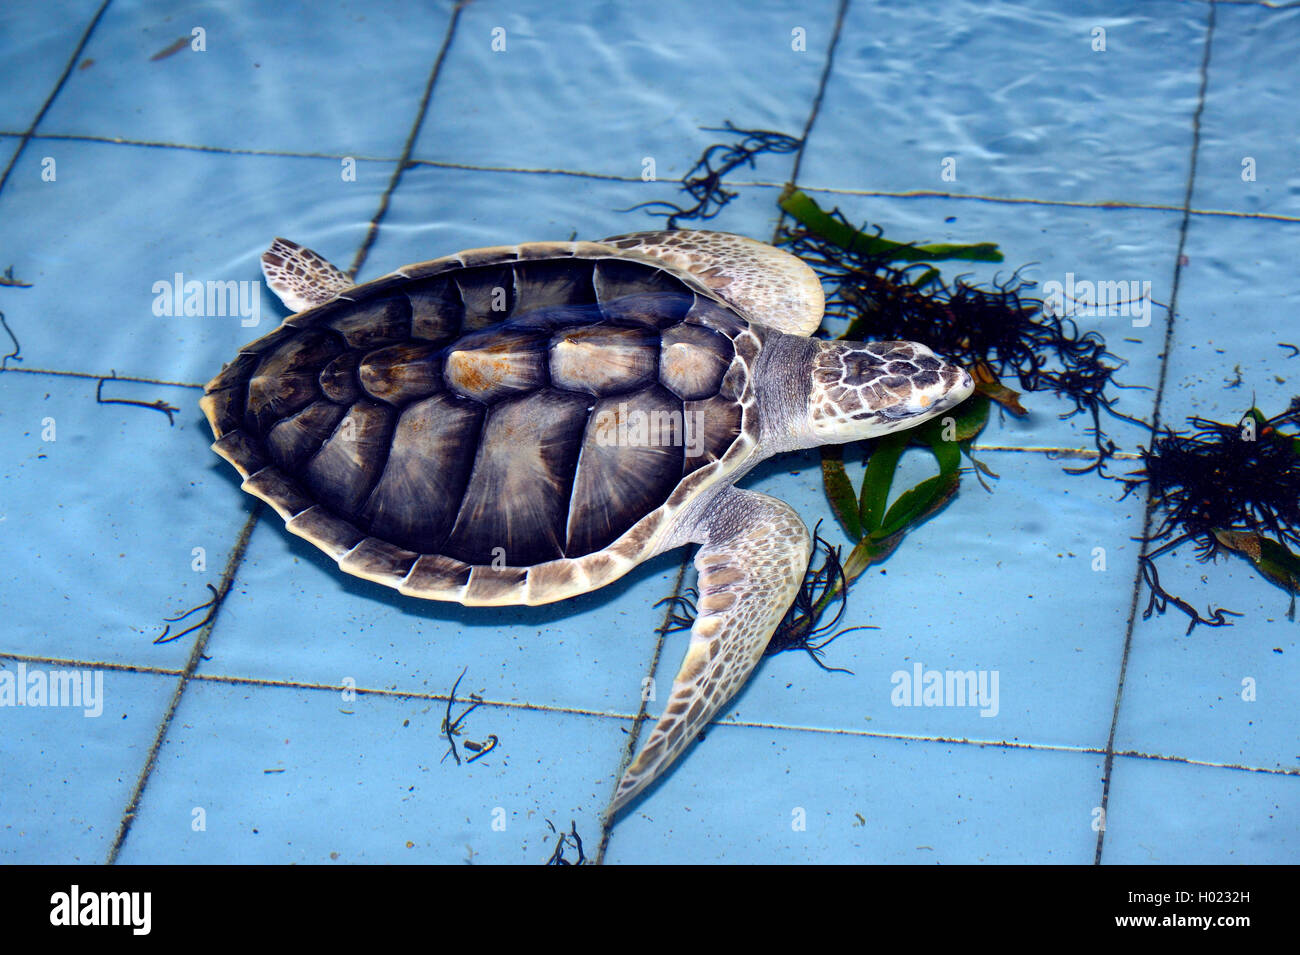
371, 324
553, 579
378, 560
245, 452
327, 531
224, 407
603, 359
436, 577
618, 278
692, 360
234, 374
490, 587
556, 282
280, 491
488, 294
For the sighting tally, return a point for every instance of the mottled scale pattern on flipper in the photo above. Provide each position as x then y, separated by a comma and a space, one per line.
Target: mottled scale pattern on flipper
351, 420
750, 568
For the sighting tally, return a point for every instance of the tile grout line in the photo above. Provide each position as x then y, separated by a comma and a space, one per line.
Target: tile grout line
54, 93
512, 705
404, 160
1149, 510
196, 654
1100, 205
607, 821
841, 10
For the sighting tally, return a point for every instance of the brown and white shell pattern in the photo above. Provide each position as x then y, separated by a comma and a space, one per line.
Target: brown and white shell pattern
474, 428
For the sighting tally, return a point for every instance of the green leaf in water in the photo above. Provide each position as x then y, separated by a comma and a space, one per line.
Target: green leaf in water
839, 490
812, 217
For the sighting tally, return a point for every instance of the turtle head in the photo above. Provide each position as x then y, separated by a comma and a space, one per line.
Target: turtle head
863, 390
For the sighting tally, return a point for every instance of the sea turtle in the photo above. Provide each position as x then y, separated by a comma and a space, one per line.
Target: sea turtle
520, 424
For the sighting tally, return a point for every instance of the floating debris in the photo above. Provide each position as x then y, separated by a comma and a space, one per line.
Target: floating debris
557, 857
211, 606
16, 354
159, 405
8, 281
704, 183
176, 46
1224, 487
999, 332
452, 727
821, 587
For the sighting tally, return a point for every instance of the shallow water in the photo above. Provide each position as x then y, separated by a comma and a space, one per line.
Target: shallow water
307, 729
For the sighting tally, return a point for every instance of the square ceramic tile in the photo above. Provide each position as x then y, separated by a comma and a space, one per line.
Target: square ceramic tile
1059, 111
162, 213
72, 756
1164, 813
257, 774
836, 799
39, 40
104, 533
256, 79
1245, 163
622, 90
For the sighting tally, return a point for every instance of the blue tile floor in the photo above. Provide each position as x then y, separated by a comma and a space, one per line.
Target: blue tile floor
301, 723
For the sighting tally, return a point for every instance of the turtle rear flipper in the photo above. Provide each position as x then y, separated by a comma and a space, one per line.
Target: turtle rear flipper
751, 566
300, 277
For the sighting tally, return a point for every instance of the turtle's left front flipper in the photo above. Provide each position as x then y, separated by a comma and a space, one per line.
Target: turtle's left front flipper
752, 562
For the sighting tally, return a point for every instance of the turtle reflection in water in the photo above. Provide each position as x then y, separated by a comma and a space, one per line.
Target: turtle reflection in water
471, 428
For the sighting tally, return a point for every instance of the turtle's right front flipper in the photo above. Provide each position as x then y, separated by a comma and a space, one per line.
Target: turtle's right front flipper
751, 565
